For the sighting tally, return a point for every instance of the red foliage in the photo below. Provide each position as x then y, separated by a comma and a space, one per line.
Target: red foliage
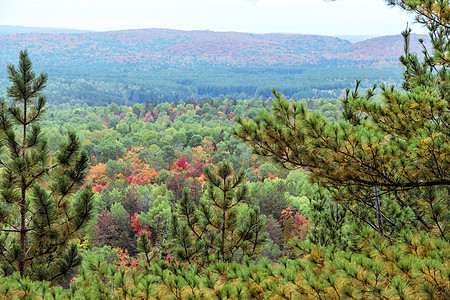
192, 169
134, 264
70, 281
170, 260
98, 188
138, 180
294, 225
155, 113
182, 164
140, 173
137, 226
195, 172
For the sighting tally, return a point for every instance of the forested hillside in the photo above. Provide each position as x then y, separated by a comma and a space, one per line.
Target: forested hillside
128, 67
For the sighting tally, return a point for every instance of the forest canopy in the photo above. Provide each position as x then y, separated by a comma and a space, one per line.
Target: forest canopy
268, 198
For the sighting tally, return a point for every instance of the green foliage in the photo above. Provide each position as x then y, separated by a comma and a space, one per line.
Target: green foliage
269, 196
107, 252
366, 210
213, 229
159, 212
382, 160
415, 268
329, 222
39, 217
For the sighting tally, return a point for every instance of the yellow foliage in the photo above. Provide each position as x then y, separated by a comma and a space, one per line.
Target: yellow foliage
97, 175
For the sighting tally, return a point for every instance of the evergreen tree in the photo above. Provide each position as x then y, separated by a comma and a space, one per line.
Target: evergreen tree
388, 163
329, 220
38, 215
213, 228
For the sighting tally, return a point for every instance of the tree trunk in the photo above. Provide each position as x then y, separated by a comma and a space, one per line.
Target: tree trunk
23, 203
223, 221
378, 209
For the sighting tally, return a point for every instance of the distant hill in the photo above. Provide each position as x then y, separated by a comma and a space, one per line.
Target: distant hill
164, 64
383, 48
165, 46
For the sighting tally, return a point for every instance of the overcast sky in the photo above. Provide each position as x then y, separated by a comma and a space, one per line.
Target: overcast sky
356, 17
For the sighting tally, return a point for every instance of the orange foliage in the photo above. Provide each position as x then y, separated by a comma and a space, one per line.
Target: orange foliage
123, 259
98, 176
141, 172
294, 225
142, 176
98, 188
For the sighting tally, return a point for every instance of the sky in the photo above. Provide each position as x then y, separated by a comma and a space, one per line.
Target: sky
340, 17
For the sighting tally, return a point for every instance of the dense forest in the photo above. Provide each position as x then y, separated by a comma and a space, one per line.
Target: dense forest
129, 67
219, 198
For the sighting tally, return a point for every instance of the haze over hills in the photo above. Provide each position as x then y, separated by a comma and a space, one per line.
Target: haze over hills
8, 29
166, 46
355, 37
177, 64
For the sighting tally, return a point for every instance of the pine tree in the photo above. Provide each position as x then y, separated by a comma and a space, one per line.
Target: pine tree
329, 222
38, 215
213, 228
387, 163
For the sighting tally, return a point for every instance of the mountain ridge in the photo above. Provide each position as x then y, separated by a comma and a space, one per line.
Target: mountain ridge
131, 66
169, 46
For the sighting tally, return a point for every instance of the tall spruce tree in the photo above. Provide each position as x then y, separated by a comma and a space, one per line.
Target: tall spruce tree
38, 215
388, 163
